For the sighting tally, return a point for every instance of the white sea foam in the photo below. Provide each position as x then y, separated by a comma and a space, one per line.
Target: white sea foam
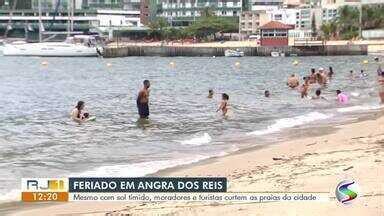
358, 108
13, 195
127, 170
199, 140
138, 169
291, 122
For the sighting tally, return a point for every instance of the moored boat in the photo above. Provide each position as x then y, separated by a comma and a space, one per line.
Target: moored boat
76, 46
233, 53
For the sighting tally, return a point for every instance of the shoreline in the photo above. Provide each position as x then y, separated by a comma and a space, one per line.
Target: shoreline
250, 48
234, 166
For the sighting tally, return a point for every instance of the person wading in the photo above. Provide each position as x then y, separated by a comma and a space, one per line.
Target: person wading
143, 99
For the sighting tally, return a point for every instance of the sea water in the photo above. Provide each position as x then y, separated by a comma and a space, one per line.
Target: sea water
38, 139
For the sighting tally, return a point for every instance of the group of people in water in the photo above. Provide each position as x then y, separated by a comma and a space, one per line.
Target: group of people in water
320, 78
80, 115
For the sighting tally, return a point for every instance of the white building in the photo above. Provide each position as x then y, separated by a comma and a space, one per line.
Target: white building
329, 13
267, 5
118, 18
250, 21
286, 16
301, 18
183, 12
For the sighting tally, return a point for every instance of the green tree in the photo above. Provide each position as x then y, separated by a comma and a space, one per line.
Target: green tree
345, 27
329, 30
157, 28
348, 22
209, 24
373, 16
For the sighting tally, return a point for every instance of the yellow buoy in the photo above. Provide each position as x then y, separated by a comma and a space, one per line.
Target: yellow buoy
237, 64
213, 56
109, 64
172, 64
44, 63
295, 62
365, 61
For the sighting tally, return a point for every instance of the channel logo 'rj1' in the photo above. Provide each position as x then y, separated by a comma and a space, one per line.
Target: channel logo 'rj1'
347, 191
48, 185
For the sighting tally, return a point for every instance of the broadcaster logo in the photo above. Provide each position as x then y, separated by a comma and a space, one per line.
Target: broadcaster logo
347, 191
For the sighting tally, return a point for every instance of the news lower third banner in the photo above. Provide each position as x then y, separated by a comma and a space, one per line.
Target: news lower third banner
150, 189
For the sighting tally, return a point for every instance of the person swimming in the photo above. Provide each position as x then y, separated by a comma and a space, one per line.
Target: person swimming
341, 97
267, 93
210, 93
351, 75
362, 74
224, 104
293, 81
143, 99
318, 95
379, 71
78, 115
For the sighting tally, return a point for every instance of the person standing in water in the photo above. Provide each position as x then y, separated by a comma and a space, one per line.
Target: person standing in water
341, 97
381, 85
312, 76
78, 114
305, 87
330, 72
224, 104
143, 100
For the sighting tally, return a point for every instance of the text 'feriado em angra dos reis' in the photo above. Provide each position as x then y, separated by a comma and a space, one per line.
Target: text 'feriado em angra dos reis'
148, 185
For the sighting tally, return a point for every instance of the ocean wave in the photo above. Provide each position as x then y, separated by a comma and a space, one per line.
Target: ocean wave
199, 140
291, 122
359, 108
138, 169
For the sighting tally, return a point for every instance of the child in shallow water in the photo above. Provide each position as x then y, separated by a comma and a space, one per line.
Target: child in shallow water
224, 104
341, 97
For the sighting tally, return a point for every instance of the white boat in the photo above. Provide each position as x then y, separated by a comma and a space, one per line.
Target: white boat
233, 53
277, 54
76, 46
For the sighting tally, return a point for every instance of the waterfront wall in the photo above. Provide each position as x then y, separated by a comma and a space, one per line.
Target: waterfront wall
111, 52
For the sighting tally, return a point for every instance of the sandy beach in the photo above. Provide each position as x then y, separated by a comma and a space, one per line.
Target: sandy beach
353, 151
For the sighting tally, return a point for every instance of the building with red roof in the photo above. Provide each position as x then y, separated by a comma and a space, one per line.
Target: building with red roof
274, 33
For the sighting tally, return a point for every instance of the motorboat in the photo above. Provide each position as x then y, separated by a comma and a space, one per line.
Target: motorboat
74, 46
233, 53
277, 54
